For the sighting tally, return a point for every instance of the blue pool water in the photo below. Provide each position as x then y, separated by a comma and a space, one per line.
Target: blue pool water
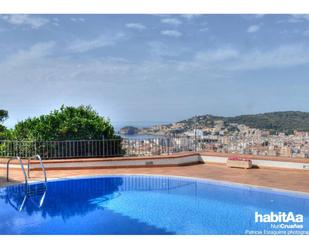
145, 205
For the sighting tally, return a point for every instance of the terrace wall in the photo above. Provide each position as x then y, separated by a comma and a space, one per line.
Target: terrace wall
259, 161
179, 159
171, 160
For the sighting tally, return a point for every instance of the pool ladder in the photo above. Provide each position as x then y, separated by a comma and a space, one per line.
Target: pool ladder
29, 190
26, 175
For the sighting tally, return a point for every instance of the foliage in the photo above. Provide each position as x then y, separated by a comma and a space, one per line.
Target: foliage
275, 122
68, 123
3, 116
41, 135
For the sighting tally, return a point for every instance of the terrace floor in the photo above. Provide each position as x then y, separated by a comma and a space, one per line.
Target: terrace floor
287, 179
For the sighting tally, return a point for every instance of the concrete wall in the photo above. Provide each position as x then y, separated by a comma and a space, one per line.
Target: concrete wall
114, 162
214, 159
259, 163
278, 164
177, 160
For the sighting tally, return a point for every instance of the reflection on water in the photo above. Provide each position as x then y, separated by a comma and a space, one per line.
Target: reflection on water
63, 198
18, 196
138, 205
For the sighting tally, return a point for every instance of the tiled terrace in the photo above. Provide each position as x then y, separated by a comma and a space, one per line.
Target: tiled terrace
288, 179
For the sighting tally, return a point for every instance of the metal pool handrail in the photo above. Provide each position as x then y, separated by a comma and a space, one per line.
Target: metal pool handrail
28, 196
41, 164
21, 207
22, 167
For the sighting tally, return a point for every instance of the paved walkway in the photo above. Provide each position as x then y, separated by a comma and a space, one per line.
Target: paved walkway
296, 180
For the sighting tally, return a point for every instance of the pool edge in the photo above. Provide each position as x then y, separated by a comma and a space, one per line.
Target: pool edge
206, 180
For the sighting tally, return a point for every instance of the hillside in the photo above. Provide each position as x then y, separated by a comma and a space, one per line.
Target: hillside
275, 121
129, 130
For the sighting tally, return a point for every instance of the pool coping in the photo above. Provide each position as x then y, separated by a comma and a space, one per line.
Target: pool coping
250, 187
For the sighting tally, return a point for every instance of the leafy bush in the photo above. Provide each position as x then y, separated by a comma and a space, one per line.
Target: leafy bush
67, 123
3, 116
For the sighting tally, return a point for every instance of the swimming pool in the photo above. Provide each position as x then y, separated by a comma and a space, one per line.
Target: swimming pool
132, 204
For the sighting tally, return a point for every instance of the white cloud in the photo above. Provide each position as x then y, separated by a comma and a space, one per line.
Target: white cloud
298, 18
80, 46
33, 21
190, 16
77, 19
253, 29
306, 33
136, 26
105, 82
204, 29
259, 16
171, 21
55, 21
31, 54
217, 55
39, 64
281, 57
172, 33
158, 49
231, 59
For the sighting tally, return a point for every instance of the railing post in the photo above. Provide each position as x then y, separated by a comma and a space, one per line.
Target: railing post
35, 148
103, 153
168, 145
195, 141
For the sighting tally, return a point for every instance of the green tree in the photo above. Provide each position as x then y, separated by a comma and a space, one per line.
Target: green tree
68, 123
3, 116
50, 135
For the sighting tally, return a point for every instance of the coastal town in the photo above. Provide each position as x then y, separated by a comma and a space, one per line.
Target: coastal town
225, 138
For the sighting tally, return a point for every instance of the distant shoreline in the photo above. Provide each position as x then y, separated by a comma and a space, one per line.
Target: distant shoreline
139, 136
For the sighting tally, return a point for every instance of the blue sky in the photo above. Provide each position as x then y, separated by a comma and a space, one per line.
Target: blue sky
142, 69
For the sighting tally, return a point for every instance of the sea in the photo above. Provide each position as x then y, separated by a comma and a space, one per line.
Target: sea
138, 124
139, 136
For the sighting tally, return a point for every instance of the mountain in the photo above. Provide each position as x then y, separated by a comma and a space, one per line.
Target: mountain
285, 122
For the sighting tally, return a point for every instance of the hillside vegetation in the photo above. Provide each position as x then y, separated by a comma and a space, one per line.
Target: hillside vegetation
275, 122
